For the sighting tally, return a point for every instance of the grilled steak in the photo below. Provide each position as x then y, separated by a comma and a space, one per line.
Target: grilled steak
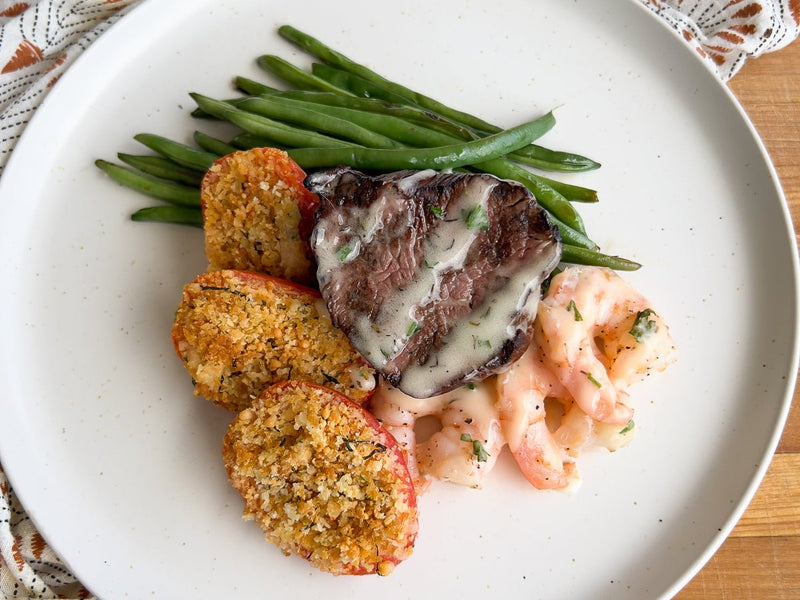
435, 278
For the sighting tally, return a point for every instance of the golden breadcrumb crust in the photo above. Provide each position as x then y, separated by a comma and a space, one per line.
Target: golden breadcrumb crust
257, 215
323, 479
238, 332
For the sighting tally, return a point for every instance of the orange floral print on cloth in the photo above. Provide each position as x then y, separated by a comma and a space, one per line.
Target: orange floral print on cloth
39, 39
28, 566
729, 32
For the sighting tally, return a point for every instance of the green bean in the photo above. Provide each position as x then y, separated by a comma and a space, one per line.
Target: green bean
180, 215
264, 127
358, 86
555, 160
253, 87
199, 113
440, 157
161, 167
246, 141
533, 155
412, 132
293, 75
572, 236
583, 256
168, 191
376, 105
305, 115
177, 152
388, 126
344, 80
574, 193
331, 57
404, 132
212, 144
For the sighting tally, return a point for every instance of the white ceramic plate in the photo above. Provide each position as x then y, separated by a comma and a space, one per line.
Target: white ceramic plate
120, 466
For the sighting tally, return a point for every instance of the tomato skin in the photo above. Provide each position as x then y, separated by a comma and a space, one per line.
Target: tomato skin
237, 332
287, 286
386, 438
251, 443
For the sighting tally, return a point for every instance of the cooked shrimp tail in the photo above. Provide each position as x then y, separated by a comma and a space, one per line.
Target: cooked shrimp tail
522, 392
598, 335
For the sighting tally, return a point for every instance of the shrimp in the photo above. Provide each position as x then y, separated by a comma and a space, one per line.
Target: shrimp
398, 416
576, 430
594, 336
463, 450
522, 391
598, 335
470, 440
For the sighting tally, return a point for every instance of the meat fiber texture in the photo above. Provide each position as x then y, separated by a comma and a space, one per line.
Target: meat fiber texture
434, 277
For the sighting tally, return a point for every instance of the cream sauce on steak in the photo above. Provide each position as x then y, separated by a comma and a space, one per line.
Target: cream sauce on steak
435, 278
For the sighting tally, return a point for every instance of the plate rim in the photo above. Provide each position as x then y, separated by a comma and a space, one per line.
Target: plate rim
142, 10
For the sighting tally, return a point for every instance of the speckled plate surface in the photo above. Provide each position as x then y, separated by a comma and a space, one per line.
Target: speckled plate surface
120, 466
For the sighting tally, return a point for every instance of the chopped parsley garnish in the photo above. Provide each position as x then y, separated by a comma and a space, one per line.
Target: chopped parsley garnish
643, 325
413, 328
218, 288
437, 211
480, 343
591, 378
627, 428
477, 219
329, 378
477, 447
573, 308
343, 252
377, 446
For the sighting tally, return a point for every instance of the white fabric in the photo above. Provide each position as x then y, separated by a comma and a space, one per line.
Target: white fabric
728, 33
38, 42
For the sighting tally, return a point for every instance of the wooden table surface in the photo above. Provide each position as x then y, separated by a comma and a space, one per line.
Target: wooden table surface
761, 558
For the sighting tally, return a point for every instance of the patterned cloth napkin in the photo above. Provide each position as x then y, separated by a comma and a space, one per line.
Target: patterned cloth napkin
39, 39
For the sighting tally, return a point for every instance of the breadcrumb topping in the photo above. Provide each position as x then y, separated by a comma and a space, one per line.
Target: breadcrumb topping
323, 479
253, 214
239, 332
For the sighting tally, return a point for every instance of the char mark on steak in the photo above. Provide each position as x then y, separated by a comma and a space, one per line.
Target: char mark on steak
434, 277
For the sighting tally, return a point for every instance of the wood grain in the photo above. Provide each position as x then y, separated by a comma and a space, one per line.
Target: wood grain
761, 558
775, 510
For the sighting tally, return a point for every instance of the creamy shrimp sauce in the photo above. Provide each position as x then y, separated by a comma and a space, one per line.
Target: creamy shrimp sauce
446, 455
